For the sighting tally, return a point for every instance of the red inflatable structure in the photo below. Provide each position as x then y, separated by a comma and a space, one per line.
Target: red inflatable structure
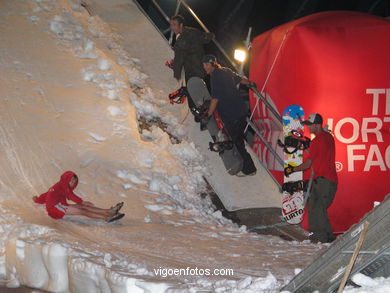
336, 64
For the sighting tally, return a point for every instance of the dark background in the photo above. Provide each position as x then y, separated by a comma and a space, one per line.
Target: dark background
230, 19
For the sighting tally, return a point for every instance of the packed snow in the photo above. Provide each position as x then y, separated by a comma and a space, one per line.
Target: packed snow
71, 97
367, 284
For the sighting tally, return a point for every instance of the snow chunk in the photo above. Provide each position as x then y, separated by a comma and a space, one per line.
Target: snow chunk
116, 111
146, 94
88, 75
97, 137
107, 260
144, 108
297, 271
367, 284
186, 151
135, 77
157, 208
111, 94
104, 64
147, 219
65, 28
127, 186
86, 50
363, 280
34, 18
154, 134
124, 175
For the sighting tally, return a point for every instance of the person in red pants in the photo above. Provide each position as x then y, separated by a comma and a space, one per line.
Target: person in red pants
57, 206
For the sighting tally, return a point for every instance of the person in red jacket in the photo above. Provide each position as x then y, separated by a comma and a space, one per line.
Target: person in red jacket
322, 160
57, 206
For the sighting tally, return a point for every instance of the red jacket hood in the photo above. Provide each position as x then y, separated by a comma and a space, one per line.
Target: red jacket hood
66, 177
59, 193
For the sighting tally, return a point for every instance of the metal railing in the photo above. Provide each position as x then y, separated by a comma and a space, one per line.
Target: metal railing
220, 48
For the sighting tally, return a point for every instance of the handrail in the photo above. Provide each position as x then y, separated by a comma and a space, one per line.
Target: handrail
267, 104
160, 10
266, 143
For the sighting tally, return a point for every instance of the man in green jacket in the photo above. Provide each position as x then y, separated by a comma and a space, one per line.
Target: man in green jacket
188, 49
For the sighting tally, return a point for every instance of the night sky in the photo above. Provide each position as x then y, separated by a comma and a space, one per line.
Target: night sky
230, 19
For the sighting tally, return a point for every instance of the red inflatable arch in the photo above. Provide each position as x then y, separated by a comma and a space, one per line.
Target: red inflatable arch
336, 64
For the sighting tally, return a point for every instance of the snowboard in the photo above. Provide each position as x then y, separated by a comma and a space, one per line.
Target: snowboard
222, 144
294, 143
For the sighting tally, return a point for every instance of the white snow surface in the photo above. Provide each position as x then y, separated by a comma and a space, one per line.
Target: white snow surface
70, 98
368, 285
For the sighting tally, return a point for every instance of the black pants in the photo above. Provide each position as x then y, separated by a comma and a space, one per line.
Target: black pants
235, 129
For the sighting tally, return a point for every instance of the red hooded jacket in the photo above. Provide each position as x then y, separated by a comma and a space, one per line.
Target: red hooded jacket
59, 193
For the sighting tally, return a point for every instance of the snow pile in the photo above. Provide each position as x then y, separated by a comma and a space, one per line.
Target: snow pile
116, 111
66, 29
144, 108
104, 64
38, 262
367, 284
268, 284
86, 50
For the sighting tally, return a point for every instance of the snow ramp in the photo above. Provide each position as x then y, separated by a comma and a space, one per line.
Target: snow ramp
259, 191
71, 95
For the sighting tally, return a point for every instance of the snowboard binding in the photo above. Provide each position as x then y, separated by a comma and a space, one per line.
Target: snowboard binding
179, 96
292, 187
220, 146
296, 141
200, 112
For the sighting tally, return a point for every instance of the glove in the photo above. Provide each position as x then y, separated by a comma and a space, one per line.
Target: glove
288, 170
204, 122
252, 84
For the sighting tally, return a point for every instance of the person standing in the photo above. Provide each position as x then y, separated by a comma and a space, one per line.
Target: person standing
188, 49
322, 159
189, 52
227, 101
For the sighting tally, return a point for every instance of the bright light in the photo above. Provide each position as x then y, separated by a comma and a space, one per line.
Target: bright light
240, 55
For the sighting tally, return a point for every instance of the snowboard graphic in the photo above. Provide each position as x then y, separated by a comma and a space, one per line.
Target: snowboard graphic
294, 143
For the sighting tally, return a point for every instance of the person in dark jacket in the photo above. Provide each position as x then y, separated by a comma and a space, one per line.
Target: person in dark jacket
57, 206
188, 49
227, 101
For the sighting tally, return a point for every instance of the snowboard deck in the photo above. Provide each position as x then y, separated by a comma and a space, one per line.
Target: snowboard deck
231, 159
293, 204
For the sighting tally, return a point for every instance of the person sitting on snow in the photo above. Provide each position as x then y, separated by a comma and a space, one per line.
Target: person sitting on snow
57, 206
